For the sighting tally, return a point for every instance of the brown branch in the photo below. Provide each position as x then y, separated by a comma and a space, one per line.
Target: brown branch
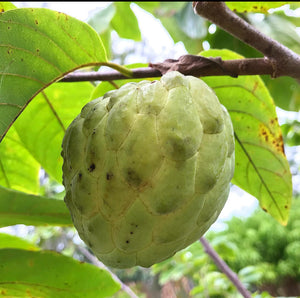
224, 268
286, 62
189, 65
138, 73
278, 61
200, 66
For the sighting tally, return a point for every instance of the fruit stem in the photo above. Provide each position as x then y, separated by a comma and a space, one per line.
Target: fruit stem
122, 69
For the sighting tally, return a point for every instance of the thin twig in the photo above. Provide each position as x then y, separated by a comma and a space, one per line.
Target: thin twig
286, 62
224, 268
97, 263
138, 73
188, 65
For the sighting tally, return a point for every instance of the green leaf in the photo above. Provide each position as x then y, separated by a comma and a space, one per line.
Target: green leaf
21, 208
10, 241
261, 165
37, 47
18, 169
261, 7
183, 25
223, 40
190, 23
125, 22
148, 6
285, 92
101, 22
48, 274
42, 125
101, 19
291, 133
180, 21
280, 29
5, 6
193, 46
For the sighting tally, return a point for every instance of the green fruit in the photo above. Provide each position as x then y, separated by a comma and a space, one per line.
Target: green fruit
147, 169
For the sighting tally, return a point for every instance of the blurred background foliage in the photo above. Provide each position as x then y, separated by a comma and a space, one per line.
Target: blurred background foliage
265, 255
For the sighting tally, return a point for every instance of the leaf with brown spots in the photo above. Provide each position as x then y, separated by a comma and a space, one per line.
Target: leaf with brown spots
5, 6
261, 7
261, 166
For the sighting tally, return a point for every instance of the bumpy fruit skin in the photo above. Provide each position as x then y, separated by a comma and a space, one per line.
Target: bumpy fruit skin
147, 169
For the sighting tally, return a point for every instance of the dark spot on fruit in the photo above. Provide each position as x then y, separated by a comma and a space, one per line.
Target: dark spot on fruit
92, 167
36, 22
37, 50
127, 241
109, 175
263, 208
131, 233
8, 28
286, 206
79, 176
133, 178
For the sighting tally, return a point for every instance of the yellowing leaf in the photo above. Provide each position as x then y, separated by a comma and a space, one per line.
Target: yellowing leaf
261, 165
261, 7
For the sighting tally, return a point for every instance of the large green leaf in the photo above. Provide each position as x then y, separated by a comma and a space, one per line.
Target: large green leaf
18, 169
48, 274
10, 241
21, 208
42, 125
37, 47
261, 165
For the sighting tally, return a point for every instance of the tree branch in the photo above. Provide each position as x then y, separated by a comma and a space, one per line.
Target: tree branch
224, 268
97, 263
278, 61
286, 62
188, 65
